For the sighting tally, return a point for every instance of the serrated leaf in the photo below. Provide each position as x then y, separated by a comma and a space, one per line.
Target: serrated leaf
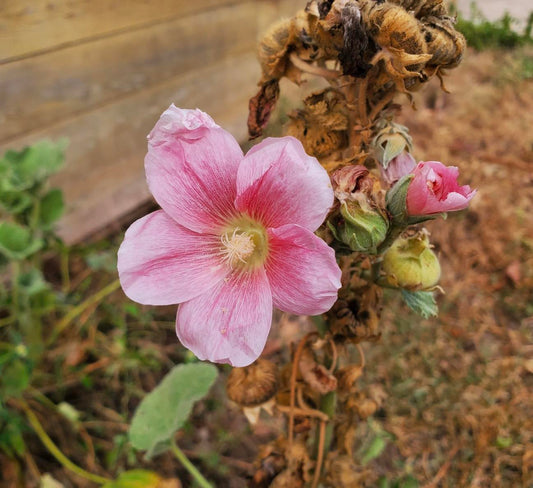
16, 241
136, 478
164, 411
52, 207
421, 302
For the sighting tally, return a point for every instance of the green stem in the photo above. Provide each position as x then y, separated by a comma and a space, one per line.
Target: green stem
328, 405
55, 451
189, 466
15, 270
73, 313
392, 235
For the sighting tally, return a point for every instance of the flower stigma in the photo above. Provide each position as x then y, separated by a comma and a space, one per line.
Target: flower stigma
244, 244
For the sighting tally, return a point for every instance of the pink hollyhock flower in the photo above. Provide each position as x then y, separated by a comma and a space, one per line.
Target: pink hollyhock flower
401, 165
234, 236
434, 189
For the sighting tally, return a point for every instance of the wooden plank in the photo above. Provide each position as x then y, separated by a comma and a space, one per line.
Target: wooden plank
38, 91
104, 175
32, 26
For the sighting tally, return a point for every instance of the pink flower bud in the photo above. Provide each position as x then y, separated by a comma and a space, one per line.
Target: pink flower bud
401, 165
434, 189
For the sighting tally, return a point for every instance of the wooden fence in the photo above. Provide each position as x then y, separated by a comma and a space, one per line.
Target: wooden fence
100, 72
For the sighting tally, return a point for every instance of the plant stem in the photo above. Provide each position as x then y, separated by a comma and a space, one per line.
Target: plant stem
73, 313
189, 466
15, 271
54, 450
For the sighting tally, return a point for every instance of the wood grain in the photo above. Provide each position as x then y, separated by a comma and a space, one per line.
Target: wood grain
104, 175
28, 27
38, 91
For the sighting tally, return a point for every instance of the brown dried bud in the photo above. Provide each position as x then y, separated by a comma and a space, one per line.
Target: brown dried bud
423, 8
392, 26
351, 179
253, 385
341, 471
355, 318
366, 407
273, 49
347, 377
445, 44
315, 374
261, 106
322, 125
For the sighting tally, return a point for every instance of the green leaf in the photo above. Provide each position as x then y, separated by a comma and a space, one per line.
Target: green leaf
136, 478
52, 207
421, 302
32, 165
164, 411
15, 377
377, 446
32, 282
16, 241
15, 202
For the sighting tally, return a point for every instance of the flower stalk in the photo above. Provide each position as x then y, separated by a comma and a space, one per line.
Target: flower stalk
190, 467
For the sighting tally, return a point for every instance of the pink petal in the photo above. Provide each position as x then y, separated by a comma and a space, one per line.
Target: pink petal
279, 184
302, 271
434, 189
230, 323
191, 168
161, 263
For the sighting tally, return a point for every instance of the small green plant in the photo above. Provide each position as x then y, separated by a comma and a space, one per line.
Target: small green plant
28, 212
481, 33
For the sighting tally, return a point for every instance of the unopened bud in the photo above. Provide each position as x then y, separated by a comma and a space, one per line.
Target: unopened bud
411, 264
361, 223
361, 227
390, 141
398, 167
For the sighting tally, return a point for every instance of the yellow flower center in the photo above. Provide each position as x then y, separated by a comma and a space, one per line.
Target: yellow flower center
244, 244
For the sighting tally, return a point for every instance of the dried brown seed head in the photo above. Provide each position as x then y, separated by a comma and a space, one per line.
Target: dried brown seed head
253, 385
445, 44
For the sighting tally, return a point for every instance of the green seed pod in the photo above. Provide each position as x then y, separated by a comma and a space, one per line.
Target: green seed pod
411, 264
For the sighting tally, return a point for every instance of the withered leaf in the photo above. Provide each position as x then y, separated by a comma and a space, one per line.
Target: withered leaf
261, 106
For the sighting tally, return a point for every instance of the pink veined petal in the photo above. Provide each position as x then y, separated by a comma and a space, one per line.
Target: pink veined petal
192, 172
302, 271
434, 189
188, 123
162, 263
454, 201
230, 323
278, 184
